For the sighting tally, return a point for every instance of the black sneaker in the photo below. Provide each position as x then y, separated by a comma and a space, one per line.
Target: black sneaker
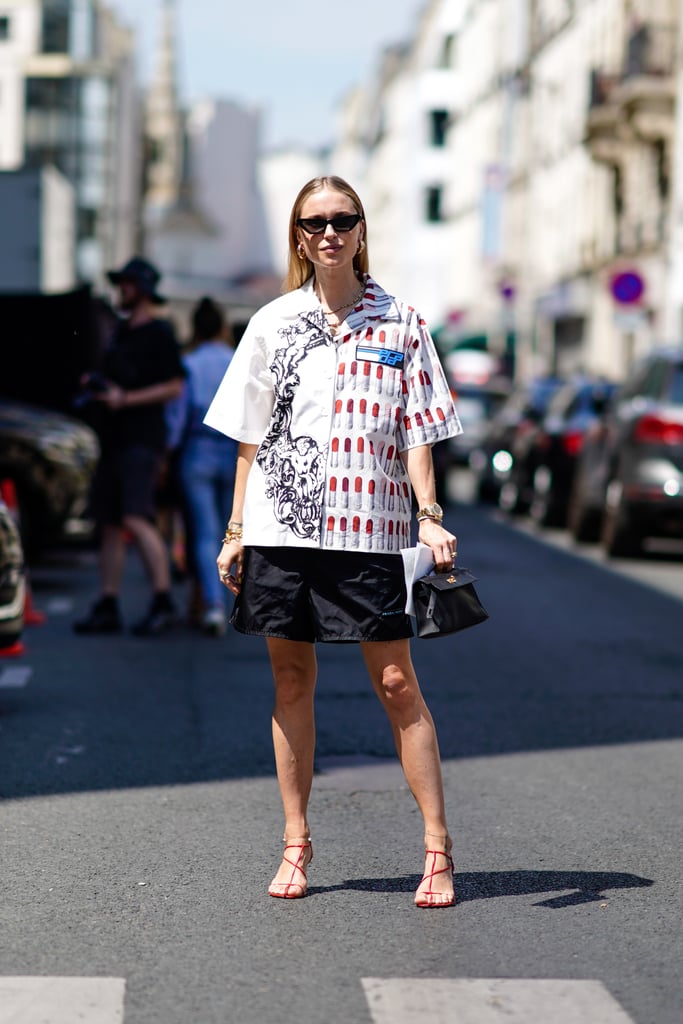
156, 622
103, 617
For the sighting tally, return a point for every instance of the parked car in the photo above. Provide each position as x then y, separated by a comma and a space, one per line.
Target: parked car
629, 479
553, 447
493, 460
479, 387
476, 407
12, 585
51, 458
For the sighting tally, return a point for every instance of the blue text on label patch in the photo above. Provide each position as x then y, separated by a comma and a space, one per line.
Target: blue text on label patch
386, 356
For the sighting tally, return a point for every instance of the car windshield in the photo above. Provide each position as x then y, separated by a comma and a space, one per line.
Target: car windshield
470, 410
475, 406
589, 397
541, 392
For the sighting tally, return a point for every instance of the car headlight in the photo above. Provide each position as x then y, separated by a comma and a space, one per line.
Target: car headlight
502, 461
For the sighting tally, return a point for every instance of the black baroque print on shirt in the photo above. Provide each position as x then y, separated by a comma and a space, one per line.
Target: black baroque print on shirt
294, 467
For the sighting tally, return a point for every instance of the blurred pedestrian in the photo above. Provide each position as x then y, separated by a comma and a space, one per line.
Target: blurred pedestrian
207, 458
336, 395
141, 371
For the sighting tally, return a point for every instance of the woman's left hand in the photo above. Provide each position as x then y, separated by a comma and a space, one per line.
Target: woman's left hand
444, 545
230, 564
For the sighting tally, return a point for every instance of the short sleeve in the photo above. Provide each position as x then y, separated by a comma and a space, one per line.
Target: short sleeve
243, 403
429, 414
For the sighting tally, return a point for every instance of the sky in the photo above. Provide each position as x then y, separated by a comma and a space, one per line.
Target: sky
292, 59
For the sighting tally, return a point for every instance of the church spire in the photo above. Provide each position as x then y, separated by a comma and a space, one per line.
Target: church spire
164, 119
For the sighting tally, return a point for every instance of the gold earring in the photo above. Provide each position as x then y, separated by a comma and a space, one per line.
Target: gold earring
300, 251
361, 246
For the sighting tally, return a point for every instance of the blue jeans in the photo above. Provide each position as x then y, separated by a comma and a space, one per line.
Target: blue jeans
207, 473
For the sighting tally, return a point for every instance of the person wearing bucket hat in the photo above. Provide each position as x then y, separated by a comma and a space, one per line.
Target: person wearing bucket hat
142, 275
141, 371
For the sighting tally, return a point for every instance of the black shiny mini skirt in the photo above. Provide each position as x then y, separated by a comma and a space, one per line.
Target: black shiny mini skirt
310, 595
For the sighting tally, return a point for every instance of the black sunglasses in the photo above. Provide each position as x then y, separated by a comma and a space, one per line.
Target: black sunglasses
316, 225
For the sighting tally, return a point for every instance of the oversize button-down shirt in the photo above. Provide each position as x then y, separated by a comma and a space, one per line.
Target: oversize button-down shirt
330, 415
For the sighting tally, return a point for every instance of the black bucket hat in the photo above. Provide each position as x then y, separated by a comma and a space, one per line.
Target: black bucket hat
145, 275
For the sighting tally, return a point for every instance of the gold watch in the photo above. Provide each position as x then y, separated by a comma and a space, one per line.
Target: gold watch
432, 511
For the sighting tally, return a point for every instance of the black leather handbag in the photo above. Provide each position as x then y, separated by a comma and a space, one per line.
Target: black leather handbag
446, 603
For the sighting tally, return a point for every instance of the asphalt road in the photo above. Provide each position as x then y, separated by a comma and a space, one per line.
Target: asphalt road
141, 819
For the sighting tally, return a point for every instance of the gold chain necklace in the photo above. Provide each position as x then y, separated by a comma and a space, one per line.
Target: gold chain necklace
354, 300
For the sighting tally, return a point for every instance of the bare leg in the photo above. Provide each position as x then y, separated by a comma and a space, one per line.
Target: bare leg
112, 558
294, 674
152, 550
393, 677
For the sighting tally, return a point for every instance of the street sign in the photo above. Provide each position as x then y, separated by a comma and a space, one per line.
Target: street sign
629, 319
627, 287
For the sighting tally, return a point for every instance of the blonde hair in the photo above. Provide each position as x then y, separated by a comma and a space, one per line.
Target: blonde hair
299, 270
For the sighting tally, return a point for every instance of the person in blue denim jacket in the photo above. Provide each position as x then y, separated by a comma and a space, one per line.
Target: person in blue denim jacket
207, 458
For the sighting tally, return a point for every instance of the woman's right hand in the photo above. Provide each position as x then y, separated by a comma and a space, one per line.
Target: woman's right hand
230, 565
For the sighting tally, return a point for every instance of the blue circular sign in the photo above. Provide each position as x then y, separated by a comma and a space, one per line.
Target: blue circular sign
627, 287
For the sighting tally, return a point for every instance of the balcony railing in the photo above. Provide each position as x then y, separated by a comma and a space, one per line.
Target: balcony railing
650, 54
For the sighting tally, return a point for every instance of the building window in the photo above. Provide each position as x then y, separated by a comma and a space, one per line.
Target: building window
617, 192
434, 204
53, 124
662, 167
4, 28
56, 25
87, 223
447, 51
438, 123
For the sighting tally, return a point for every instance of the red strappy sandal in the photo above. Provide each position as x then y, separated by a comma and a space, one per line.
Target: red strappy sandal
293, 889
428, 897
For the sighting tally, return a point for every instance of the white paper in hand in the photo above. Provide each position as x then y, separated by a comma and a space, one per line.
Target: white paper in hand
417, 562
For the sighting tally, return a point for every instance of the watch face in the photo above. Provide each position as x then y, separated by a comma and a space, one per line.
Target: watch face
432, 510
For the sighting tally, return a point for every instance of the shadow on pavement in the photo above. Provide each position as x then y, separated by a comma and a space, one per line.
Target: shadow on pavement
584, 886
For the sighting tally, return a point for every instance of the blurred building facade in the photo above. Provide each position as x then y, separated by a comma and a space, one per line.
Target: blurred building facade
281, 175
68, 99
204, 216
516, 159
38, 211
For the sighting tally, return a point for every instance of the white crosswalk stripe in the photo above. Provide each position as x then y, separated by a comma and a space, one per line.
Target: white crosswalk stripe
61, 1000
391, 1001
16, 677
490, 1001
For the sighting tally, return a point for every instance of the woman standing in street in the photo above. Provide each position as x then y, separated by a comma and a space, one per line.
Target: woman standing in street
335, 395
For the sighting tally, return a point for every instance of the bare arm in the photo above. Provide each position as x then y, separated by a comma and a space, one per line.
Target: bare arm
420, 468
230, 557
116, 398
